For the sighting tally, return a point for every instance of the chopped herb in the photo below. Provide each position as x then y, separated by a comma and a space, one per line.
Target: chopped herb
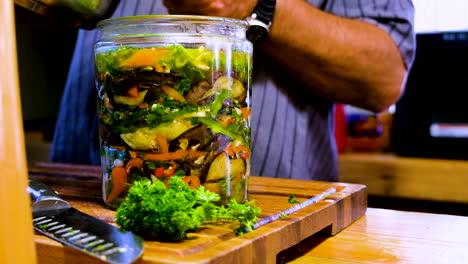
292, 199
168, 213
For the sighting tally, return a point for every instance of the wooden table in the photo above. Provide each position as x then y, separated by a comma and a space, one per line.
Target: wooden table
380, 236
388, 236
389, 175
81, 185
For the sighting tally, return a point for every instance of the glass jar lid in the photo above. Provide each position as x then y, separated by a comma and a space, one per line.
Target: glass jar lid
171, 25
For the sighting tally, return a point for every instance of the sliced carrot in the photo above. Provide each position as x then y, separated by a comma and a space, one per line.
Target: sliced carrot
165, 173
174, 94
232, 150
119, 178
179, 154
229, 151
134, 163
162, 143
133, 92
193, 181
245, 112
171, 170
240, 148
159, 172
245, 155
226, 120
147, 57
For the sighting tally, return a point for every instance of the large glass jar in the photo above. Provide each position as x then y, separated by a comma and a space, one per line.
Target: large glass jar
174, 100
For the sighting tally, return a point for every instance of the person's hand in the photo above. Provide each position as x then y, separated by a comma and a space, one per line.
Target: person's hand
221, 8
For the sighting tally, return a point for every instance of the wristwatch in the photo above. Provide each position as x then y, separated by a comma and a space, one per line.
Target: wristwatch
260, 20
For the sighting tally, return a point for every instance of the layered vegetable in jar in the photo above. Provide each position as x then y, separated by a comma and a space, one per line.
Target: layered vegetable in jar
174, 110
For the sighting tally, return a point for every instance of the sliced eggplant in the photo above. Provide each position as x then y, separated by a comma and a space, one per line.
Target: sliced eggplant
237, 89
145, 138
190, 168
129, 100
197, 135
195, 94
224, 168
219, 143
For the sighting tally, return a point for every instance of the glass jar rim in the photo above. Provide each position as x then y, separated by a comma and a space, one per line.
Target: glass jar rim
150, 19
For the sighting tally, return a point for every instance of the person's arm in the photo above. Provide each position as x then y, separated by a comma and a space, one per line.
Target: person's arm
345, 60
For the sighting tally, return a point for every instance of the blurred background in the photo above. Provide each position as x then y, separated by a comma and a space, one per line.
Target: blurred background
44, 53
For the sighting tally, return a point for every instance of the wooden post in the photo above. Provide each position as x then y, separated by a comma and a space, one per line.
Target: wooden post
16, 232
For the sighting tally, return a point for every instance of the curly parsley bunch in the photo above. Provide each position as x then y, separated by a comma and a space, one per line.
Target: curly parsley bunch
168, 213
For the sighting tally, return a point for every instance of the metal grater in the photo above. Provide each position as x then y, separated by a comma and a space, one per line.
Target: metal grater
57, 219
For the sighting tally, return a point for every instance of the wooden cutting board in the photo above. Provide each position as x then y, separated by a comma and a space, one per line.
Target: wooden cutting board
81, 186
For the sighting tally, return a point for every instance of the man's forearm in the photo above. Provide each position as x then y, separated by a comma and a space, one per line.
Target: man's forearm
345, 60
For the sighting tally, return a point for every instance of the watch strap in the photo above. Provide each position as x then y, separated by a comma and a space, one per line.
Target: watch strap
265, 10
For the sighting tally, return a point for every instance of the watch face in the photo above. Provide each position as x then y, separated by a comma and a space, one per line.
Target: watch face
256, 33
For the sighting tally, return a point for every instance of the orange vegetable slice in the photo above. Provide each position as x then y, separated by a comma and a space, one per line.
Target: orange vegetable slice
174, 94
159, 172
171, 170
119, 178
133, 92
225, 121
162, 143
193, 181
245, 112
231, 150
134, 163
147, 57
